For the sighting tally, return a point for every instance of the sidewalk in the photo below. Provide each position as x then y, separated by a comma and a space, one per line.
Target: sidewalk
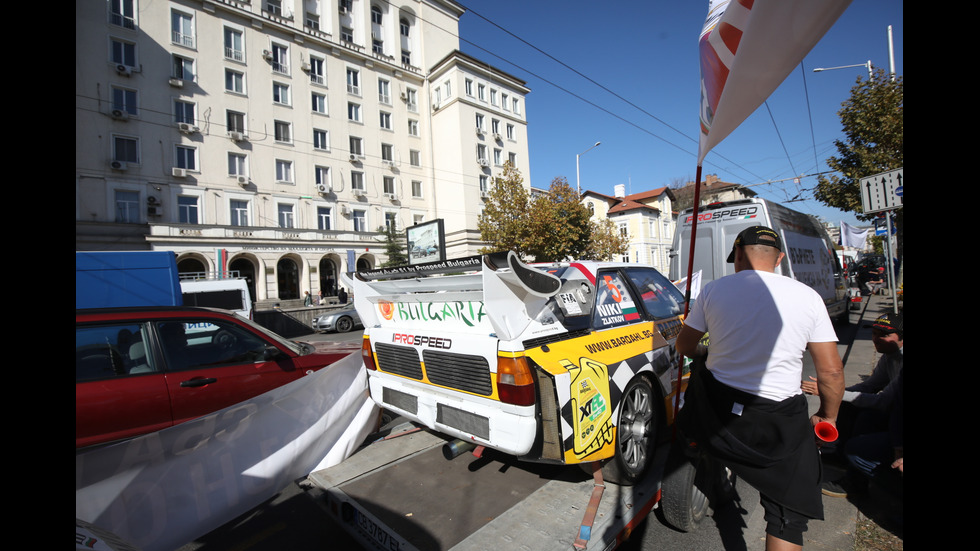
837, 531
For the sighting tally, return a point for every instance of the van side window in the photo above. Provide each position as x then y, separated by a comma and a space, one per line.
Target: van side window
614, 304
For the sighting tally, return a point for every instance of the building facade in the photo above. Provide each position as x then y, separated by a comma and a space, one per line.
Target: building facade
274, 138
647, 218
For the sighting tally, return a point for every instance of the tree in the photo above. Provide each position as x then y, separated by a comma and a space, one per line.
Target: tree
550, 227
394, 246
873, 123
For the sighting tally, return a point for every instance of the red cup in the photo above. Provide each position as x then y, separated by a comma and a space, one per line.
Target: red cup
825, 431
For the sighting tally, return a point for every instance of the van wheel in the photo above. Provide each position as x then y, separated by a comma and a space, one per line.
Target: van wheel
684, 490
344, 324
636, 434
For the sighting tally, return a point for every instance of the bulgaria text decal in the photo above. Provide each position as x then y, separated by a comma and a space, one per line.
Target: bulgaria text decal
470, 314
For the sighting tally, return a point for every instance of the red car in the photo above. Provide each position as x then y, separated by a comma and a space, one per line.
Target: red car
139, 370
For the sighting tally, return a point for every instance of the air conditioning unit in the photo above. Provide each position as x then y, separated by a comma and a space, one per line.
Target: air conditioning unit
119, 114
392, 196
243, 181
354, 157
305, 67
179, 172
118, 165
176, 82
389, 164
435, 106
267, 55
404, 96
153, 210
187, 128
322, 188
124, 70
483, 162
360, 193
479, 131
237, 136
497, 137
484, 193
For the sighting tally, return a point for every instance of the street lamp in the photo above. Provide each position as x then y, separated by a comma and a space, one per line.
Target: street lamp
866, 64
578, 184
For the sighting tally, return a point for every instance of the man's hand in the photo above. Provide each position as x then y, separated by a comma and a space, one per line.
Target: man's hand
810, 387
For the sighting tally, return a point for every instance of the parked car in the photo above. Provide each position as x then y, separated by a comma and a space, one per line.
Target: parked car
139, 370
341, 321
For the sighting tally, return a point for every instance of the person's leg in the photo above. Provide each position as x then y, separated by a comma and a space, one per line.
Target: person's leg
775, 544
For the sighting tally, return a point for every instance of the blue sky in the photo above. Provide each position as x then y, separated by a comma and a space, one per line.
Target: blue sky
645, 52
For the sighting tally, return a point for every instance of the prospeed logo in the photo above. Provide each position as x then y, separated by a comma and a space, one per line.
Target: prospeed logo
739, 213
422, 340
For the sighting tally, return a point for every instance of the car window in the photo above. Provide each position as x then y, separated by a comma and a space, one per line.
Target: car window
660, 297
614, 304
190, 344
106, 351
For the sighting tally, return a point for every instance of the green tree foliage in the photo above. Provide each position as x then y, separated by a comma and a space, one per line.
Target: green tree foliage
873, 124
394, 246
550, 227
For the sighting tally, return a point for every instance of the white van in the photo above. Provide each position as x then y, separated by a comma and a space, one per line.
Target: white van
229, 294
810, 255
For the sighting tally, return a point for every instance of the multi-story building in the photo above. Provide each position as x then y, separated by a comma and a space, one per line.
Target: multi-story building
275, 137
647, 218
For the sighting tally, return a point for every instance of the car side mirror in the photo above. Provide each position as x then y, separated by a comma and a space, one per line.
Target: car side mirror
271, 353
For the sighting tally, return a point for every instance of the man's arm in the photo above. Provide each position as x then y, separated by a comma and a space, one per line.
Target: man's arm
830, 379
687, 343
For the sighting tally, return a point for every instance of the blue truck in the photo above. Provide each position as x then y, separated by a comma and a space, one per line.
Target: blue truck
112, 279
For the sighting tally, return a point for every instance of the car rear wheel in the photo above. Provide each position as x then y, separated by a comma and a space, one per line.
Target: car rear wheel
684, 489
344, 324
636, 434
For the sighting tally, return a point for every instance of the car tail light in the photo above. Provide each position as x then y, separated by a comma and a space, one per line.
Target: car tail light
515, 381
367, 355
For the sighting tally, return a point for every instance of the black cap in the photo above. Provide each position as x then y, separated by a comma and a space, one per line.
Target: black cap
756, 235
889, 323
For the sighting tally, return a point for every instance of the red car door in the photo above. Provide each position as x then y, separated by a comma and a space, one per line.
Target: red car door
214, 363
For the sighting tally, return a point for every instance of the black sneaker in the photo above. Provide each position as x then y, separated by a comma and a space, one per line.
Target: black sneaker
833, 488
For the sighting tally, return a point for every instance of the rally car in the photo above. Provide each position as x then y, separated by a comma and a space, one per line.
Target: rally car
566, 363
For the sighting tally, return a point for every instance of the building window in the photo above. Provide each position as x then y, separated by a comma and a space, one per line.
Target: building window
280, 59
406, 57
510, 131
388, 185
185, 157
391, 221
413, 127
126, 149
127, 206
280, 93
497, 156
319, 103
187, 209
353, 82
124, 100
387, 152
495, 126
234, 81
283, 132
235, 121
448, 85
357, 180
273, 7
512, 158
183, 68
312, 21
517, 106
318, 73
378, 47
322, 176
481, 153
321, 140
346, 34
237, 164
385, 120
353, 111
122, 13
415, 157
286, 219
376, 16
404, 28
412, 99
183, 112
284, 171
239, 212
417, 189
503, 102
484, 180
182, 28
468, 87
355, 146
481, 92
359, 217
480, 123
122, 52
384, 91
323, 221
345, 6
234, 45
493, 97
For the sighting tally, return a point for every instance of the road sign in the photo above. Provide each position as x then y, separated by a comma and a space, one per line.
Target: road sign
882, 191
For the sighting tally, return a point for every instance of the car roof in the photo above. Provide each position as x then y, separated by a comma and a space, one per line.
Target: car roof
96, 314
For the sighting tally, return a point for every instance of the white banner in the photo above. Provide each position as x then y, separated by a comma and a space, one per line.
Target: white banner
852, 237
811, 262
165, 489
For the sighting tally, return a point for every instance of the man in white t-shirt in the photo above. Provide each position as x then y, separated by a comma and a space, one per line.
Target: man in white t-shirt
747, 409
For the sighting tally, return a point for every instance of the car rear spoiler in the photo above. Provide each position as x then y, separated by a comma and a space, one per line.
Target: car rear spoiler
511, 292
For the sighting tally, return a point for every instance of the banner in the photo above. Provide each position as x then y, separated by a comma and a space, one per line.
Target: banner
852, 237
165, 489
747, 48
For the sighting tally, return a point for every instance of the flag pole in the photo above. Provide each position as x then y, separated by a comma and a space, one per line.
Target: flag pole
687, 293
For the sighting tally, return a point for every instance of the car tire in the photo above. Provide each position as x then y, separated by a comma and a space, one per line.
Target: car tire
684, 491
345, 324
637, 429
